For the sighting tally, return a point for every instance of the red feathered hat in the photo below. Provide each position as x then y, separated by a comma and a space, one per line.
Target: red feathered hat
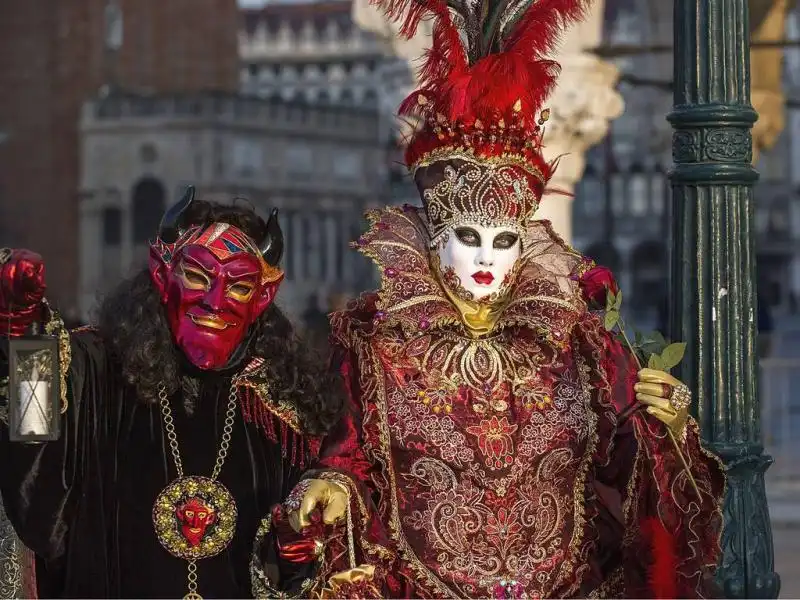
476, 154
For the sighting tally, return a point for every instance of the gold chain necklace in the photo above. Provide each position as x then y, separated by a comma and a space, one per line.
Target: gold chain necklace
195, 517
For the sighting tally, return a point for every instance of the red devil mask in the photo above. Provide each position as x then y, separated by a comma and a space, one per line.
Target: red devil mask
214, 282
195, 518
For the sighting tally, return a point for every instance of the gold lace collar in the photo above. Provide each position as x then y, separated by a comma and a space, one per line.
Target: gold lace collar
544, 297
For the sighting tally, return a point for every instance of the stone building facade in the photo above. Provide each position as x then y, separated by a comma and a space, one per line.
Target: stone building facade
313, 163
56, 55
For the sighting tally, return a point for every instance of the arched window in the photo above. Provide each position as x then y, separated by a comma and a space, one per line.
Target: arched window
371, 98
112, 226
346, 97
111, 256
147, 207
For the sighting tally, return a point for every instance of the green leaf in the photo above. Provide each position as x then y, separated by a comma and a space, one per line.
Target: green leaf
638, 339
655, 362
610, 300
611, 319
673, 355
618, 300
654, 343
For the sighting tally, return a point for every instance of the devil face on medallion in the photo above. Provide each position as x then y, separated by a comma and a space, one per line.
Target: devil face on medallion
195, 516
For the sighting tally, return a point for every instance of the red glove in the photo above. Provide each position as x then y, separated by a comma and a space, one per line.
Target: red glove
22, 289
295, 547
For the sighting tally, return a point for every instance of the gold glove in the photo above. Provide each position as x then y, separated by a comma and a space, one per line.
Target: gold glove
311, 494
338, 584
357, 575
666, 397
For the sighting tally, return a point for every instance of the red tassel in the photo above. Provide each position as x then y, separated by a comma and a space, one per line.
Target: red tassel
296, 448
253, 411
664, 568
285, 439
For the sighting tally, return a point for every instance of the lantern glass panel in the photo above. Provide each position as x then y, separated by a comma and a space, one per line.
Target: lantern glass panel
33, 389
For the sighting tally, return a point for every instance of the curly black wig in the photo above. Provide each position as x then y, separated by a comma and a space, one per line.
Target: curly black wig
132, 323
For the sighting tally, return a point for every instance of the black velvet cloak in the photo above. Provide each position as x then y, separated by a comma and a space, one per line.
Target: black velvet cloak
83, 504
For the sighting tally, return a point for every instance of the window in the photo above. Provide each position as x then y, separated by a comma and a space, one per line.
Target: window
148, 207
346, 97
618, 193
112, 226
247, 157
639, 192
658, 191
299, 160
371, 98
347, 166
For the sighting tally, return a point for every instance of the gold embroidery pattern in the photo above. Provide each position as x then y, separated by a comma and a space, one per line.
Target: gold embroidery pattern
10, 567
467, 190
486, 496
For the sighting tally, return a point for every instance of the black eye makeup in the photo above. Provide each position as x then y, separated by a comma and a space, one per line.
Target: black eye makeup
504, 241
468, 236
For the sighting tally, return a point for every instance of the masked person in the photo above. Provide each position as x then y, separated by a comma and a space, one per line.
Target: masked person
511, 446
189, 411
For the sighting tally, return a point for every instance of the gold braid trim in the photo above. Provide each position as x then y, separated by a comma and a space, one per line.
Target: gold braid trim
283, 411
55, 327
612, 587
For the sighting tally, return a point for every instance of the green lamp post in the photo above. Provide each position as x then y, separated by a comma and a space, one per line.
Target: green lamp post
713, 271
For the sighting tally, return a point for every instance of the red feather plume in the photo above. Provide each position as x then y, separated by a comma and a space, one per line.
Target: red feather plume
467, 76
664, 565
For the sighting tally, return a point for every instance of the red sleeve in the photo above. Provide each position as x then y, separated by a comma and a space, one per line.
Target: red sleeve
671, 542
362, 540
343, 447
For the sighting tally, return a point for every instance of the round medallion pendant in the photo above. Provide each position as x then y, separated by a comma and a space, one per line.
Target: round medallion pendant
194, 517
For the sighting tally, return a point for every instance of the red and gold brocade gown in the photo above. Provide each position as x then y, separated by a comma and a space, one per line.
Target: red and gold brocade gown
517, 456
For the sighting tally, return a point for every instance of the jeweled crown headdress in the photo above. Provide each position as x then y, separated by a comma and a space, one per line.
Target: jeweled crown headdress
476, 154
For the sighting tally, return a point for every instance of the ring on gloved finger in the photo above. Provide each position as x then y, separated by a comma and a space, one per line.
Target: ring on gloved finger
666, 390
295, 497
681, 397
5, 255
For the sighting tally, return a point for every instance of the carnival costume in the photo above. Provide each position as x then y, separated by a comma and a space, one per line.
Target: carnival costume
498, 443
187, 413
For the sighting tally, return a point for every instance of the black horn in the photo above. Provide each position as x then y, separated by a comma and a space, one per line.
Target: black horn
172, 222
272, 245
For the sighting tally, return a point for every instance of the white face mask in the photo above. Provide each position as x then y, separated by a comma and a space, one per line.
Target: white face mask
481, 257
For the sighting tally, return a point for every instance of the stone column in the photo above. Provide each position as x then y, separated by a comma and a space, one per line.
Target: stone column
767, 24
581, 107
